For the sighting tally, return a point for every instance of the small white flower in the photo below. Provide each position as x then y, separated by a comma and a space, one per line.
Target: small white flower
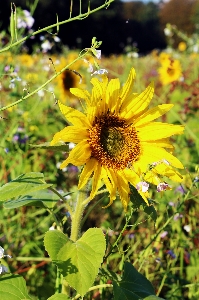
28, 18
12, 85
143, 186
25, 20
40, 93
187, 228
132, 54
52, 228
57, 39
90, 66
3, 269
71, 145
58, 167
100, 72
2, 255
98, 54
195, 48
46, 68
164, 234
168, 32
68, 197
16, 78
1, 252
163, 186
46, 46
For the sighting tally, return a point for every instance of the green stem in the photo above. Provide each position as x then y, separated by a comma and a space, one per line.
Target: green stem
79, 17
77, 216
43, 85
119, 237
90, 209
58, 282
64, 200
65, 287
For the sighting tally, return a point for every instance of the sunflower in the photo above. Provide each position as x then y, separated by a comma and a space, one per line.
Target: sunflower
67, 79
117, 141
170, 70
182, 46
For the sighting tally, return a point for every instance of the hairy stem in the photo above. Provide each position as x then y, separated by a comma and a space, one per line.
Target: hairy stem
77, 216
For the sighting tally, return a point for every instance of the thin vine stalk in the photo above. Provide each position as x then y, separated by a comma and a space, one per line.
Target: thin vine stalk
79, 17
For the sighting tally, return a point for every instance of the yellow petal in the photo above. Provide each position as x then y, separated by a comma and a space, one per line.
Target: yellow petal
96, 180
112, 94
92, 112
153, 114
110, 185
123, 189
169, 172
82, 94
131, 176
86, 173
78, 155
157, 130
151, 153
70, 134
136, 104
128, 86
97, 91
74, 116
164, 143
140, 103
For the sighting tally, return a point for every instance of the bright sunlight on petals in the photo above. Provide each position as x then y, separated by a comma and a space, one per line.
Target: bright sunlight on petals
117, 140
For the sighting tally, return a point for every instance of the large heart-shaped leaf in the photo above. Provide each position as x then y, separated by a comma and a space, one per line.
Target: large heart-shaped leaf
79, 262
133, 286
13, 287
59, 297
54, 240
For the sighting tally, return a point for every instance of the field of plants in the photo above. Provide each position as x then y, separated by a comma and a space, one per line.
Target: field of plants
145, 246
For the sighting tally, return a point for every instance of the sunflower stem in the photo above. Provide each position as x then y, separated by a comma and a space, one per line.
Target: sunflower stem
77, 216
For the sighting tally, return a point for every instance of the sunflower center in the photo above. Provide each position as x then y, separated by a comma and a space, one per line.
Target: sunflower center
112, 140
68, 79
170, 71
114, 143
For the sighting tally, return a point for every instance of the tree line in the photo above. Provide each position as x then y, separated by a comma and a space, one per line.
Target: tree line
121, 27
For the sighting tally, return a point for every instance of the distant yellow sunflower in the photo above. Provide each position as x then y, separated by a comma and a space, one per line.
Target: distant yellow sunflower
117, 141
182, 46
67, 79
26, 60
169, 71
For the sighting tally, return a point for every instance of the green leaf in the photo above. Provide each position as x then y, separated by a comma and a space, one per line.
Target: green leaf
59, 147
54, 240
153, 298
22, 185
133, 286
59, 297
138, 201
78, 262
150, 211
13, 287
39, 198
